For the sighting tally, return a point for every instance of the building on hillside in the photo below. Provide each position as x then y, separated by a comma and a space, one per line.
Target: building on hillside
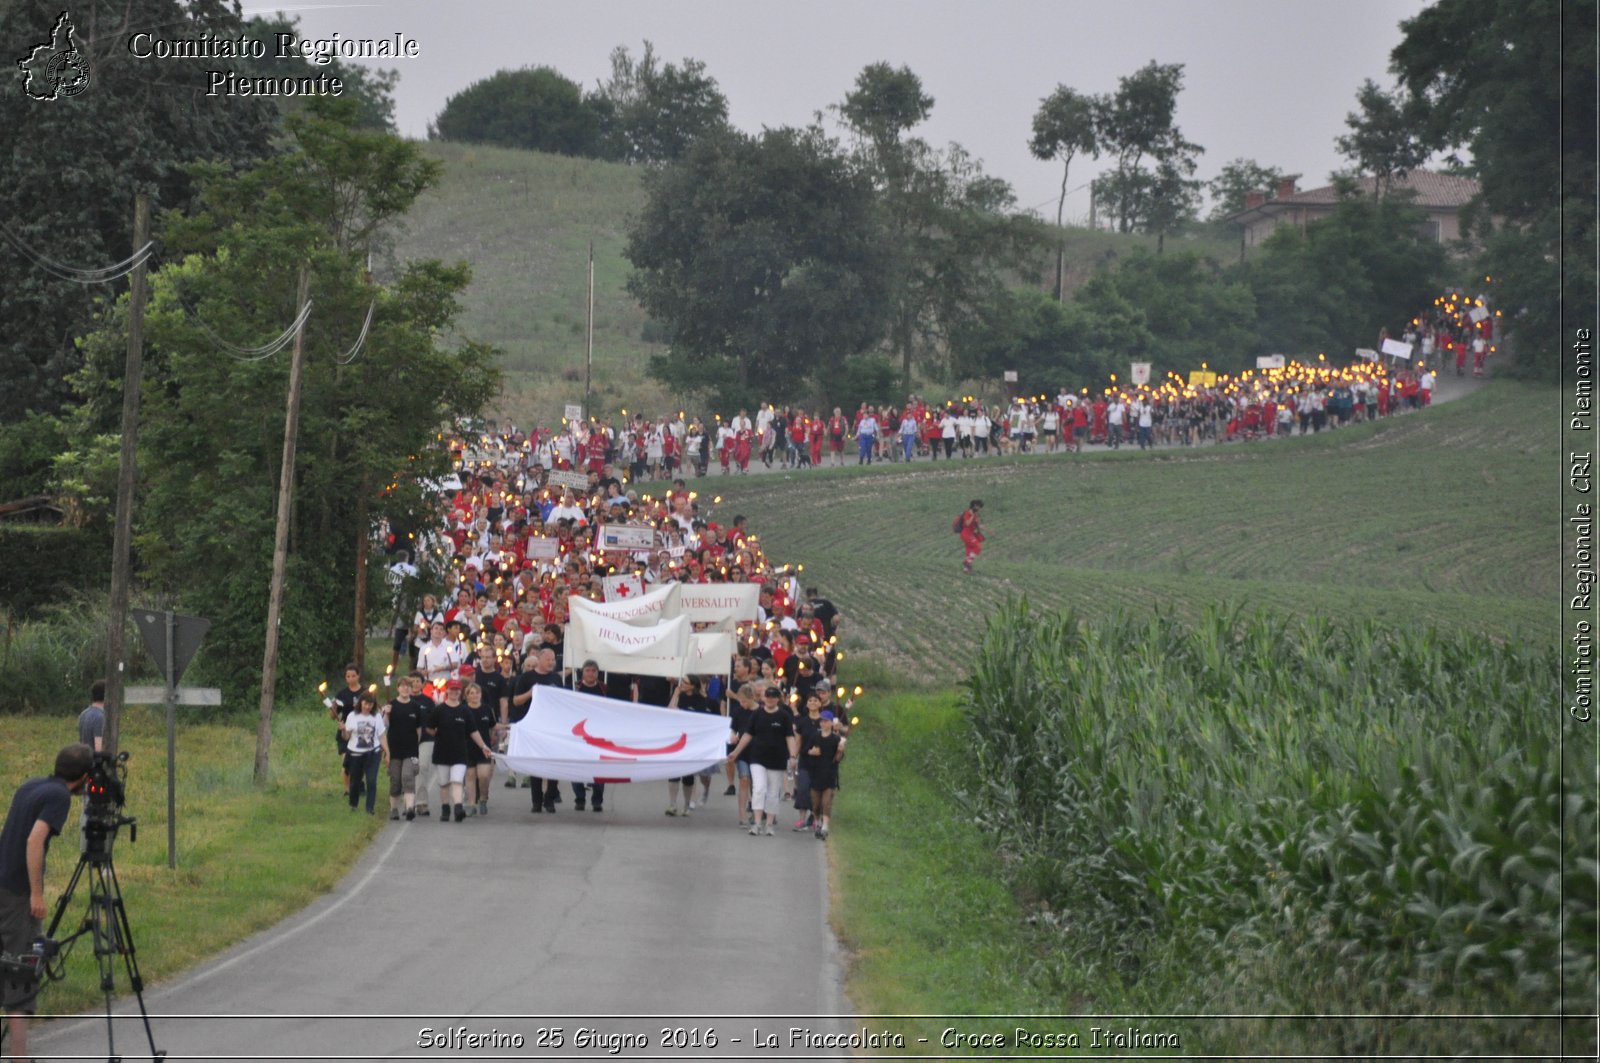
1440, 195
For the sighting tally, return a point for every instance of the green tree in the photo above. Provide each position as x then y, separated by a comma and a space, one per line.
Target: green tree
1331, 288
952, 230
764, 259
1385, 138
1516, 86
653, 112
1193, 311
69, 169
1063, 129
214, 420
538, 109
1138, 123
372, 89
1237, 179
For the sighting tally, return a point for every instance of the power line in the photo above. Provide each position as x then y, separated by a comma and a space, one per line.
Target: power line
350, 355
254, 354
63, 271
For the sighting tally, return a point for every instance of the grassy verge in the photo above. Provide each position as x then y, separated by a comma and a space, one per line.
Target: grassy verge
246, 858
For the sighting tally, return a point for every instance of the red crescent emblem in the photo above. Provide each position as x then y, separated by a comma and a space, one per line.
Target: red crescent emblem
604, 743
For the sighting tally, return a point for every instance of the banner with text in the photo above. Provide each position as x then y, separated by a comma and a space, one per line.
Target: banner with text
617, 646
720, 601
641, 611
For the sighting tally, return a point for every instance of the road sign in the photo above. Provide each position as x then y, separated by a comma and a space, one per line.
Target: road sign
187, 633
158, 696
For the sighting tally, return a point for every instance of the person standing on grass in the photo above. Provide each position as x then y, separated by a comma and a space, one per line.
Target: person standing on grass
971, 530
362, 731
92, 720
38, 812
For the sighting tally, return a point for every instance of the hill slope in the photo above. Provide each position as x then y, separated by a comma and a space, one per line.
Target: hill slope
1441, 517
524, 220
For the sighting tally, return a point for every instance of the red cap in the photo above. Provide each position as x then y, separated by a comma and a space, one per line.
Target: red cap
453, 684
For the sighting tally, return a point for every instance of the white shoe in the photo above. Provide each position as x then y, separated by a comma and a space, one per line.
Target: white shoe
693, 805
770, 831
755, 829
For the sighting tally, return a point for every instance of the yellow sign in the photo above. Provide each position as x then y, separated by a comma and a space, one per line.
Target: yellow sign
1200, 378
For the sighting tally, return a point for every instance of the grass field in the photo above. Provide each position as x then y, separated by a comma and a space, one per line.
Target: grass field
1445, 517
246, 858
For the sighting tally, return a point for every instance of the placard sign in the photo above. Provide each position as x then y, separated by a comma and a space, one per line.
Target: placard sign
626, 537
574, 413
578, 481
543, 548
1397, 349
1269, 361
1140, 373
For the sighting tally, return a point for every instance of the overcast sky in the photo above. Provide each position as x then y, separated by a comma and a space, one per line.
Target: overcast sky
1270, 80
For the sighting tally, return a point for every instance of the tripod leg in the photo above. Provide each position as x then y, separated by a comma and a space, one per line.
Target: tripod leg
102, 919
130, 958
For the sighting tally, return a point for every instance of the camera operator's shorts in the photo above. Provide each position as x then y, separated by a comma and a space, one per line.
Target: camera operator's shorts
18, 928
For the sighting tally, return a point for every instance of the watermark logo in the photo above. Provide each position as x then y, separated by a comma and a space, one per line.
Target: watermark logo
55, 68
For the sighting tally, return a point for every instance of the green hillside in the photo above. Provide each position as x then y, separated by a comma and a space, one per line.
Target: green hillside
1439, 518
524, 220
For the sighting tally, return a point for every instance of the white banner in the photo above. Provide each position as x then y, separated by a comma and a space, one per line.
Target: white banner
578, 481
1140, 373
625, 586
584, 738
720, 601
1477, 314
641, 611
1368, 353
625, 537
617, 646
710, 653
1269, 361
543, 548
1397, 349
573, 414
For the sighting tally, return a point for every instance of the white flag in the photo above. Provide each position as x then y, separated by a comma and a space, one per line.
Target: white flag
641, 610
621, 647
623, 586
584, 738
720, 601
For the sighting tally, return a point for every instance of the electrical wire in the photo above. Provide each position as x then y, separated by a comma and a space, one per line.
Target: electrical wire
350, 355
62, 271
265, 350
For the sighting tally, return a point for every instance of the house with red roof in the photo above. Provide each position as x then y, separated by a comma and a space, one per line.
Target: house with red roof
1440, 195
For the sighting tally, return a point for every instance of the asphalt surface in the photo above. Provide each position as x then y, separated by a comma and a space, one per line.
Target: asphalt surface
655, 935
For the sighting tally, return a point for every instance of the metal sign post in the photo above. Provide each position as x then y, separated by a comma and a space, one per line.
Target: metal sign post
172, 640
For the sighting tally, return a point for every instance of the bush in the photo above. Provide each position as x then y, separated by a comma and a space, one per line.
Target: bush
47, 564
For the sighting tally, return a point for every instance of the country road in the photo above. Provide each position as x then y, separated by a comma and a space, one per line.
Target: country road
577, 933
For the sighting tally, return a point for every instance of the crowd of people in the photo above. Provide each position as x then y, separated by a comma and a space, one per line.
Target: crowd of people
513, 548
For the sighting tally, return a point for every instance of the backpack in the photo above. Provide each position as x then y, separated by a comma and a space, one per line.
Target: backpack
956, 527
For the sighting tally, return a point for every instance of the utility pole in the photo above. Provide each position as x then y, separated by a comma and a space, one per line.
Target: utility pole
588, 358
121, 563
280, 541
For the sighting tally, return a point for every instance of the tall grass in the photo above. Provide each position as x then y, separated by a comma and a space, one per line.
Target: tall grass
1253, 813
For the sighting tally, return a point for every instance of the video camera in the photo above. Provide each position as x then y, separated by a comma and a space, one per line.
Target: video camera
29, 967
103, 800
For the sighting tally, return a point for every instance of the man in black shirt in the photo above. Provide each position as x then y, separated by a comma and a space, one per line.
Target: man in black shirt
402, 745
588, 682
541, 671
38, 813
344, 703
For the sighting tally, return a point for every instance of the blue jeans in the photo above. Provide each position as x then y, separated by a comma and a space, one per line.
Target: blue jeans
364, 775
868, 444
911, 445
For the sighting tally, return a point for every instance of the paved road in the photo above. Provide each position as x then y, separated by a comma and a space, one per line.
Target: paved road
626, 923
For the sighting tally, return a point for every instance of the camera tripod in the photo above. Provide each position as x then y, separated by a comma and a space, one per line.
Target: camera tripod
106, 923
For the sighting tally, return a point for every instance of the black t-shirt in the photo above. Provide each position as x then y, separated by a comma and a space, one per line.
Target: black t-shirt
494, 687
525, 682
405, 728
483, 720
738, 718
655, 690
45, 798
619, 685
598, 690
768, 733
697, 703
345, 702
824, 611
809, 730
451, 725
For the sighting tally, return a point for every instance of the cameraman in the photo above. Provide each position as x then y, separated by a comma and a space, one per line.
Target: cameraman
38, 812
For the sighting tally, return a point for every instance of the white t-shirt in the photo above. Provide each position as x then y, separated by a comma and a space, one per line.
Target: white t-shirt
364, 731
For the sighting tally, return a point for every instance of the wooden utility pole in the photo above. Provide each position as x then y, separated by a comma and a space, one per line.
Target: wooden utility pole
588, 357
127, 474
363, 537
280, 540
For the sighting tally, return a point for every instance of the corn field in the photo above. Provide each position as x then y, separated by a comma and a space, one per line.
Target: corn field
1259, 814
